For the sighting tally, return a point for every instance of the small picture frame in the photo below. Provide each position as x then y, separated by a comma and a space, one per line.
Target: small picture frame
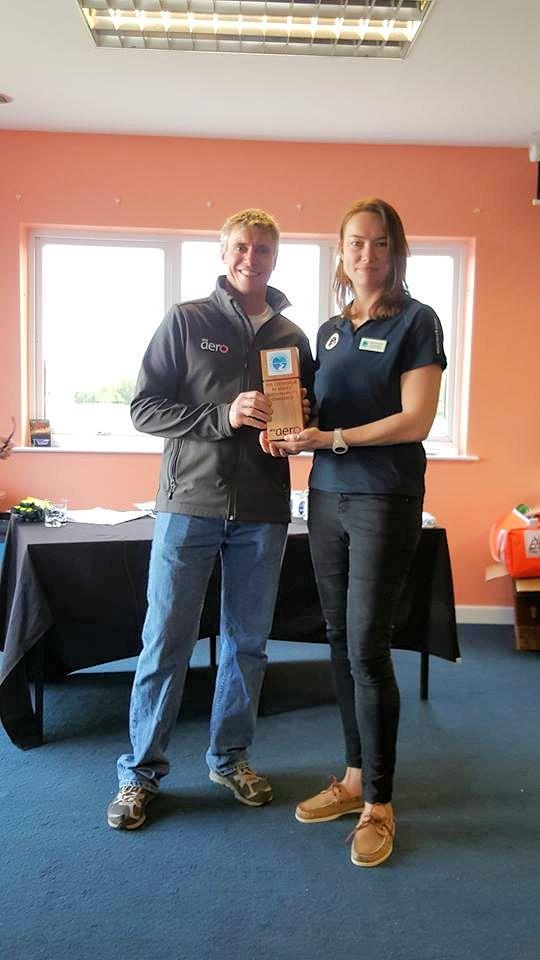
40, 433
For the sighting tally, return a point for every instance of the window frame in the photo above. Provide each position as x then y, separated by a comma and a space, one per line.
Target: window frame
458, 346
452, 444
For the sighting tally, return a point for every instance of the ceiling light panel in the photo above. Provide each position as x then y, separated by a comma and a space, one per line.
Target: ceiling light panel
380, 28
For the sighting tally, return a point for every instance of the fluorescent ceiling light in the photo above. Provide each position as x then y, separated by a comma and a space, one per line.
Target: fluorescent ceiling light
380, 28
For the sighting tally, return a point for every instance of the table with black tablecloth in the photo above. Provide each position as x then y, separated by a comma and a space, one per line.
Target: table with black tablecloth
75, 597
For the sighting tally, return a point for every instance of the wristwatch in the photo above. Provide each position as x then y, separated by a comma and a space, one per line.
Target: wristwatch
338, 443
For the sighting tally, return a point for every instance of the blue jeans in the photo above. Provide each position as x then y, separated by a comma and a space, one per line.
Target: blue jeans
184, 551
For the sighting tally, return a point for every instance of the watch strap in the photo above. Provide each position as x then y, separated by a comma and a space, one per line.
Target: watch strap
338, 443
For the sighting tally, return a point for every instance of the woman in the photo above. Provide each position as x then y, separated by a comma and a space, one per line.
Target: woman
379, 367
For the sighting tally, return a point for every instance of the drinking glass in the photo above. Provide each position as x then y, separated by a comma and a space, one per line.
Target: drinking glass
56, 512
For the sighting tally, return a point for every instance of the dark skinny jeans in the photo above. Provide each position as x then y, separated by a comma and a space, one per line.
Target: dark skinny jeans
362, 547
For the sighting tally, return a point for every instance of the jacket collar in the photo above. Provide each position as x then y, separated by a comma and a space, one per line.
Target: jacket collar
229, 306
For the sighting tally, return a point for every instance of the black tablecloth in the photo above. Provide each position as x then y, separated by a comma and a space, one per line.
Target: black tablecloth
74, 597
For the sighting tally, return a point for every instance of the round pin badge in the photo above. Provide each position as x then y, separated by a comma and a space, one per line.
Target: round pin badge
331, 342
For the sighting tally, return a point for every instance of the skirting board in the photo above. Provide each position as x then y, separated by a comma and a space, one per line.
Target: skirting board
497, 615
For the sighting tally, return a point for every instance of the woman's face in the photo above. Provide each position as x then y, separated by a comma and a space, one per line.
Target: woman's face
365, 253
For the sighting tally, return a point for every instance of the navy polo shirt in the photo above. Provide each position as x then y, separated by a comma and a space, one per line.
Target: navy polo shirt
357, 381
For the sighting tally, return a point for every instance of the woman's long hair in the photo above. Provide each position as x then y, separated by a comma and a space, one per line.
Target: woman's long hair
395, 292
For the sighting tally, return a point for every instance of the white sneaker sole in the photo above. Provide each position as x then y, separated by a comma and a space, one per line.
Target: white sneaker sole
127, 826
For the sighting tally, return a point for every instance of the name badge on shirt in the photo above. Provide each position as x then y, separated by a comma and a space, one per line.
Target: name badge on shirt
376, 346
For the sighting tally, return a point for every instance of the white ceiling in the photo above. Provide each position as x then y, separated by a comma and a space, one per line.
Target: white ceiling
480, 87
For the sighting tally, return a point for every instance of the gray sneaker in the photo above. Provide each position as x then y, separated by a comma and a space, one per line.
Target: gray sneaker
248, 787
127, 810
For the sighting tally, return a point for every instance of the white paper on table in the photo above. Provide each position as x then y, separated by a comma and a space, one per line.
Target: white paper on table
103, 516
149, 506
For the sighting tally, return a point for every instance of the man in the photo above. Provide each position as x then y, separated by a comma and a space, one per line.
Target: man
200, 388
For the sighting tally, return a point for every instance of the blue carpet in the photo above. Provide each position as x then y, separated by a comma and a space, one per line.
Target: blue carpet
212, 879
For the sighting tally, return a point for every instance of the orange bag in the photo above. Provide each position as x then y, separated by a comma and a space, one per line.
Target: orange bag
515, 542
521, 552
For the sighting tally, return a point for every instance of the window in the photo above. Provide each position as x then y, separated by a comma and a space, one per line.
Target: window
97, 300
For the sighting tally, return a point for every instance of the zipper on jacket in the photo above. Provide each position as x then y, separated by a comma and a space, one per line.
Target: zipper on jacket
173, 463
233, 498
248, 343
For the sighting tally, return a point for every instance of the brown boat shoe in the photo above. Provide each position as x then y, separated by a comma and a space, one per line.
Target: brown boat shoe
373, 836
329, 804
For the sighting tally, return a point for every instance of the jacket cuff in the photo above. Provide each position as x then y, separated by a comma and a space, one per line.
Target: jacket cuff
225, 426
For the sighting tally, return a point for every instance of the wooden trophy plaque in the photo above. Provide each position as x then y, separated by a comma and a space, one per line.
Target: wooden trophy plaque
281, 384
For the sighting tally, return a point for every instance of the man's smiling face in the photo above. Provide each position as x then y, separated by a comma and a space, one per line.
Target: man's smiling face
250, 256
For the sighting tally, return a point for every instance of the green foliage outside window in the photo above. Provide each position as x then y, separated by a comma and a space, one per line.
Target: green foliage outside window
119, 393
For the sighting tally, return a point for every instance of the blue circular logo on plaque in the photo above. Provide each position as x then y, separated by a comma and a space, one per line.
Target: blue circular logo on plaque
280, 362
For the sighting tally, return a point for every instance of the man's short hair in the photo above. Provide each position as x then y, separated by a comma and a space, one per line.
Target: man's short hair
249, 218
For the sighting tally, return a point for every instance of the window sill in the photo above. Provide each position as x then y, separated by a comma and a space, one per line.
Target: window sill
85, 449
464, 457
451, 457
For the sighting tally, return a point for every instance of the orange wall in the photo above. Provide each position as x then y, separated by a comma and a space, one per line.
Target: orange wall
167, 183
